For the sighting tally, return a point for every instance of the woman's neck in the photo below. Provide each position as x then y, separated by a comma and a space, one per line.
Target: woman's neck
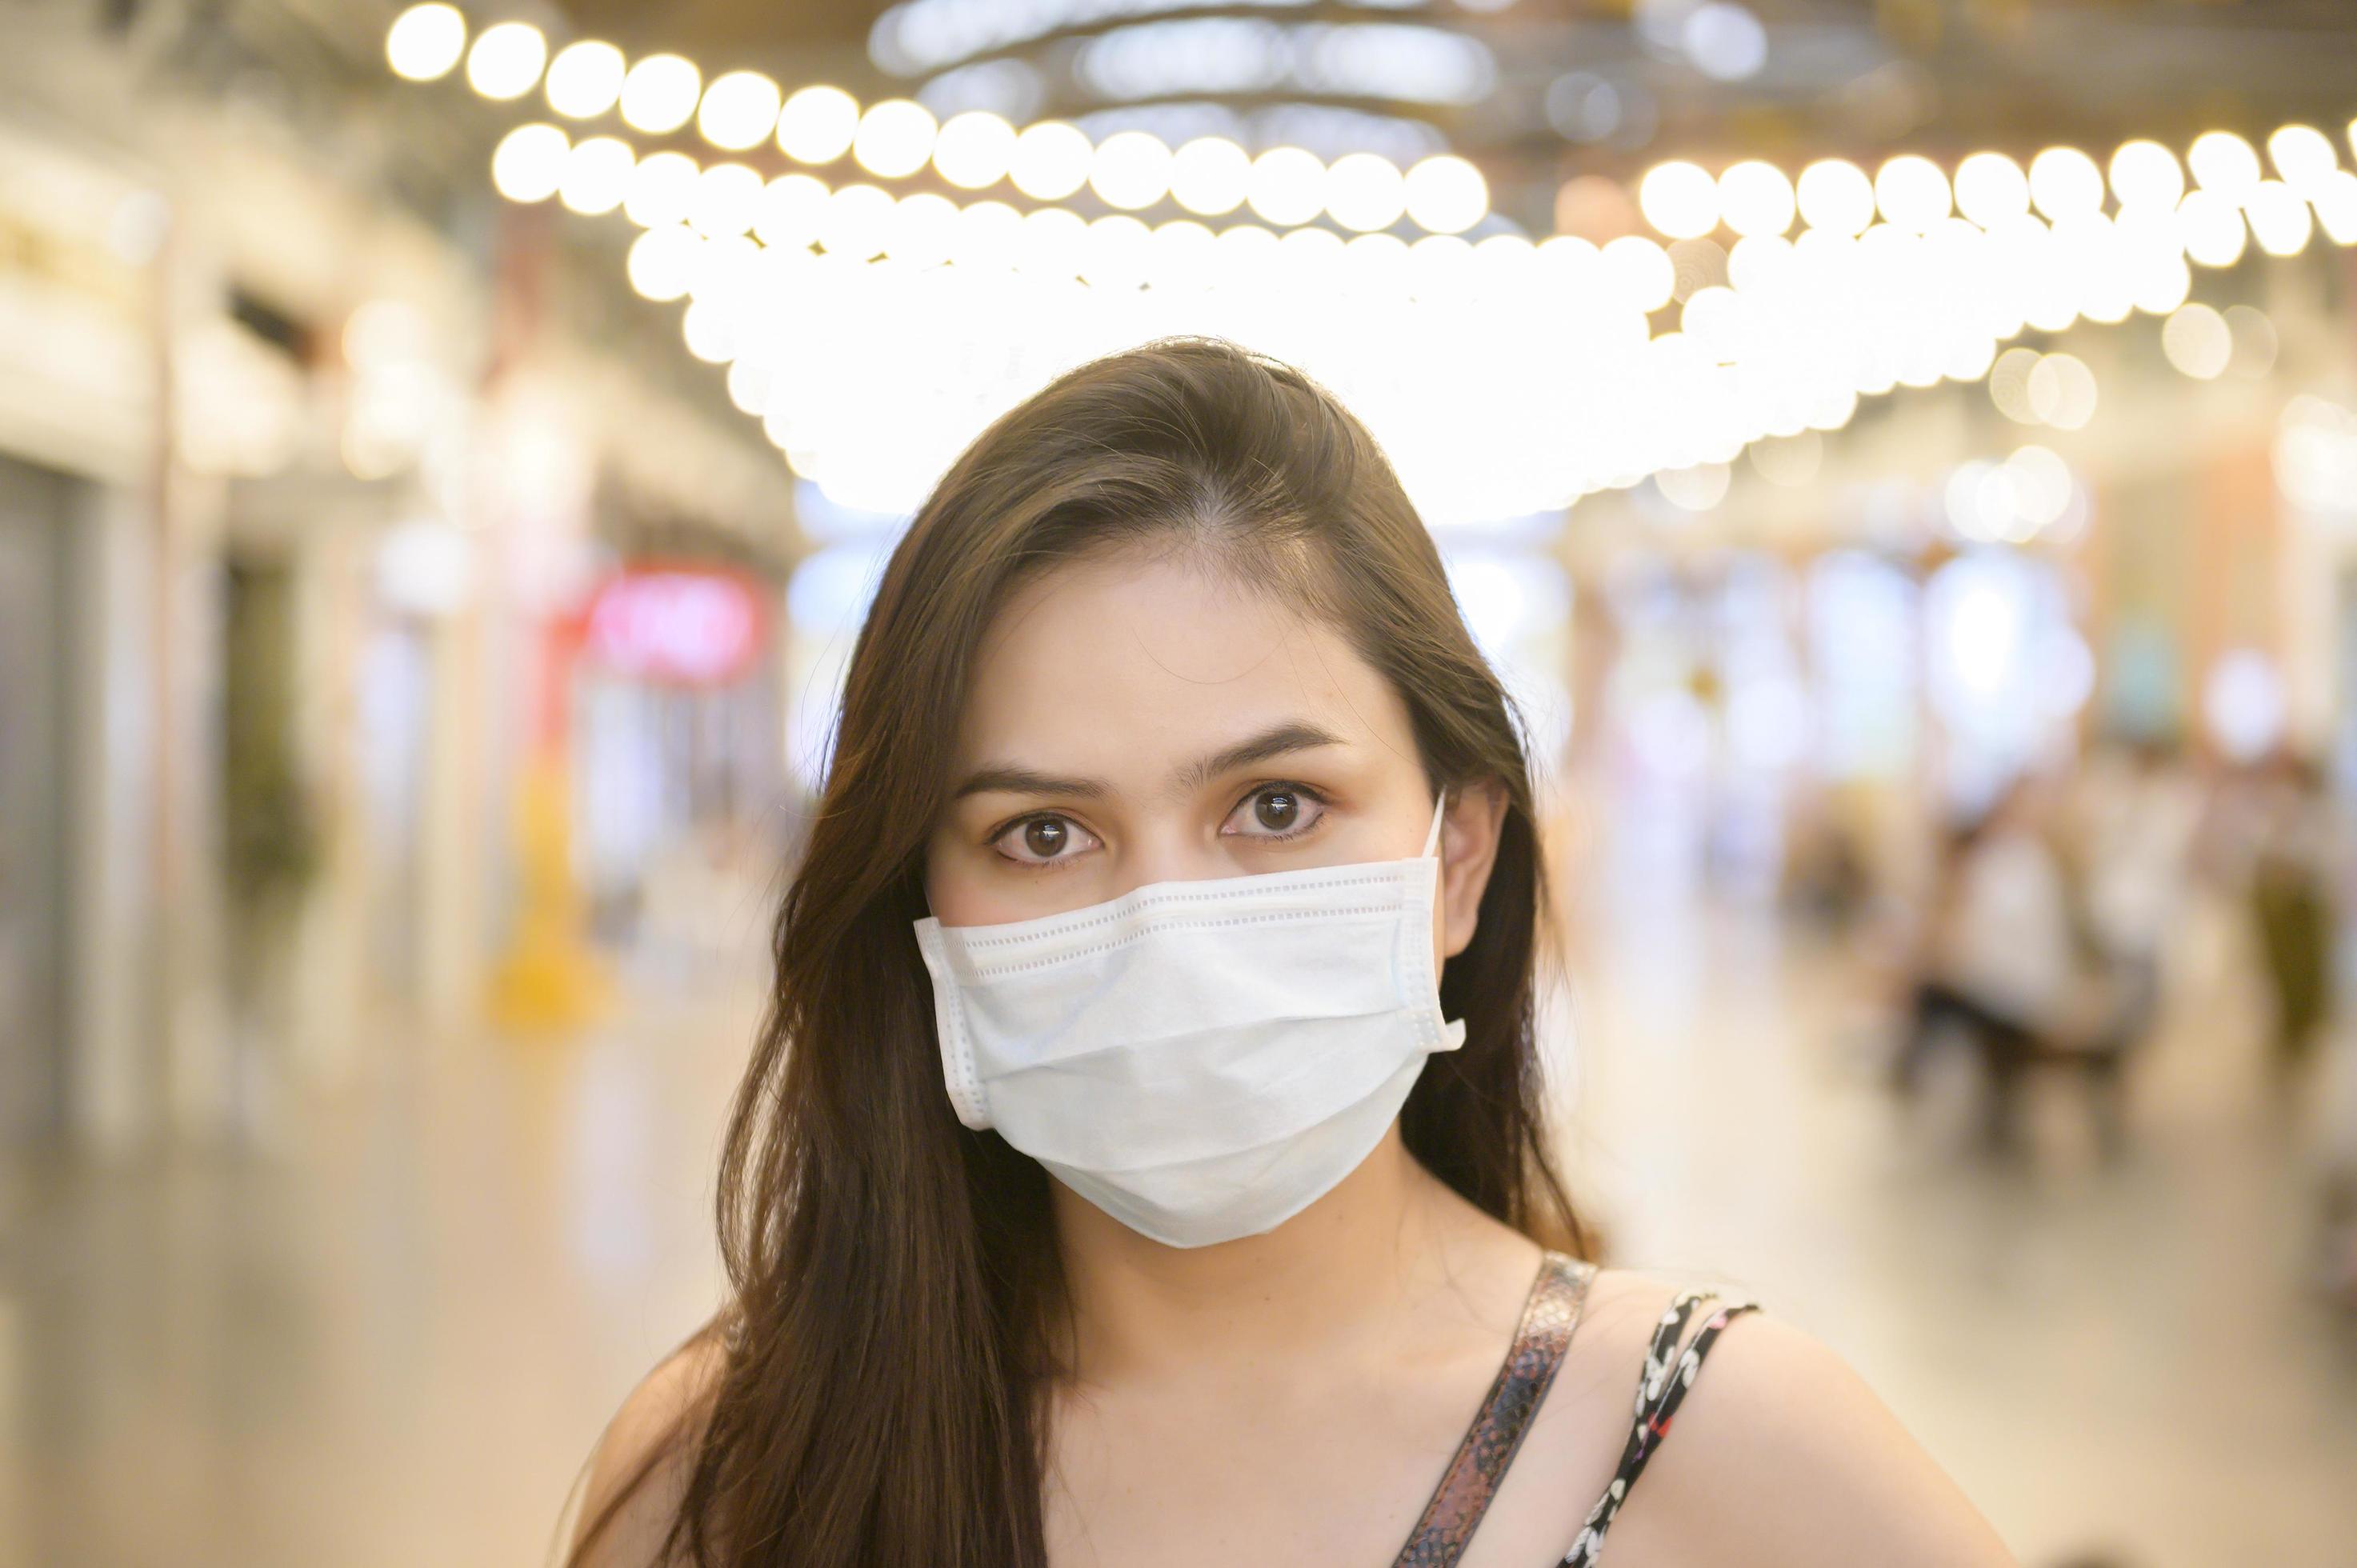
1344, 1278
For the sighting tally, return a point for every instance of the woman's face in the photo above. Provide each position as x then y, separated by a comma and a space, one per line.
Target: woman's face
1134, 720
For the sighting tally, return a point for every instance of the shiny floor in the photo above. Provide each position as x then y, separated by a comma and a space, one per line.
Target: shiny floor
394, 1342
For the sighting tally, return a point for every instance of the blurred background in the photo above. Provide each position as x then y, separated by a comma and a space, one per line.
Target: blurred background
1903, 456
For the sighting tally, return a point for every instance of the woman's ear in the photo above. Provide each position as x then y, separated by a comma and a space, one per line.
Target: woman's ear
1469, 830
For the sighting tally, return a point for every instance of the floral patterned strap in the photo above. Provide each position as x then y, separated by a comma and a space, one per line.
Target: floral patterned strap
1668, 1374
1549, 1314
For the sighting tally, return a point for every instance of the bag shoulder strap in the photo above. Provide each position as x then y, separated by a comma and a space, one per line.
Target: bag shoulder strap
1463, 1496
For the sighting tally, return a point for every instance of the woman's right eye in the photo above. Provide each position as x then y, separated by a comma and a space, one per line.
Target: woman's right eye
1043, 840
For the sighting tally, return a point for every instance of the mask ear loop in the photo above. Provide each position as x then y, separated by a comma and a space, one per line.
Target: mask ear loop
1448, 1034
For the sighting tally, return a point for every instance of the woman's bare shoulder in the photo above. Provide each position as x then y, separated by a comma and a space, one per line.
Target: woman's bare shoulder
1779, 1452
643, 1459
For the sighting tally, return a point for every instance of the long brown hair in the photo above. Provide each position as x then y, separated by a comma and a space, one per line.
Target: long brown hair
881, 1399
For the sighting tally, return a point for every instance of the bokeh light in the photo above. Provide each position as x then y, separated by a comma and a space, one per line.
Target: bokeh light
2062, 391
1210, 176
725, 198
1365, 192
855, 222
816, 124
2143, 173
1991, 189
1051, 160
1835, 196
585, 79
2256, 342
1131, 170
895, 138
506, 60
2210, 227
663, 260
1911, 192
426, 42
2223, 162
597, 175
974, 149
1288, 186
660, 189
2303, 156
739, 111
2336, 207
1679, 200
660, 93
2064, 183
2198, 342
790, 210
1641, 272
1446, 195
528, 162
2279, 219
1754, 199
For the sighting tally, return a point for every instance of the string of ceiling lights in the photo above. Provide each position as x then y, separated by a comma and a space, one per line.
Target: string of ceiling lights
1211, 176
1506, 377
896, 138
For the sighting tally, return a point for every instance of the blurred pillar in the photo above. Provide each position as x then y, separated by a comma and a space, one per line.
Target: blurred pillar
90, 285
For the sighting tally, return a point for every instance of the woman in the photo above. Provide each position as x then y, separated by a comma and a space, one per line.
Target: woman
1156, 1172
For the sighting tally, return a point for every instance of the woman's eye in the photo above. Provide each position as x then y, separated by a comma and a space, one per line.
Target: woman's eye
1278, 812
1042, 841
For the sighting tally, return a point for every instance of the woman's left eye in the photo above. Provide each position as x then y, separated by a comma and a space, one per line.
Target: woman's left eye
1279, 812
1045, 838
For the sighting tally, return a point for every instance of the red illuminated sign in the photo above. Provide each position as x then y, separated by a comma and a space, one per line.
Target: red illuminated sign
689, 626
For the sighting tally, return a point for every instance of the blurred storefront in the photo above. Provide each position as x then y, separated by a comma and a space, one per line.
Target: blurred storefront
299, 474
1962, 587
678, 712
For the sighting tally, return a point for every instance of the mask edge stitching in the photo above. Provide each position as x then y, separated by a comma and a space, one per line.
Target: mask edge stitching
1173, 898
1197, 923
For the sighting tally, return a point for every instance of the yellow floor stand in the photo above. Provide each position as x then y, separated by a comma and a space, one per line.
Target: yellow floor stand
550, 980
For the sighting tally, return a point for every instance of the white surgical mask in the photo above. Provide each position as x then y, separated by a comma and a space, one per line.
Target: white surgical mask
1202, 1061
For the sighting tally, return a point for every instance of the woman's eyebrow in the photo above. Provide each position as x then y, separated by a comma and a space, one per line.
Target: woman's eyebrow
1007, 778
1277, 740
1294, 735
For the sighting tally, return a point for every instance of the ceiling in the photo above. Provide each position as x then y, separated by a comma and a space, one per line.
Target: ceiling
2012, 74
1579, 89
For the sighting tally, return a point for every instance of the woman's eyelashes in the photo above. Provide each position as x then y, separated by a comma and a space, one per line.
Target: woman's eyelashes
1271, 813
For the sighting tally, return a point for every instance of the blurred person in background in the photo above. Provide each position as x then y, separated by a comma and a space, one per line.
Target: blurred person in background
1158, 1172
2136, 810
1828, 880
2292, 845
1996, 958
2292, 855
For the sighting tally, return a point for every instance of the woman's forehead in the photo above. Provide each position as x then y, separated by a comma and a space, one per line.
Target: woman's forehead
1137, 661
